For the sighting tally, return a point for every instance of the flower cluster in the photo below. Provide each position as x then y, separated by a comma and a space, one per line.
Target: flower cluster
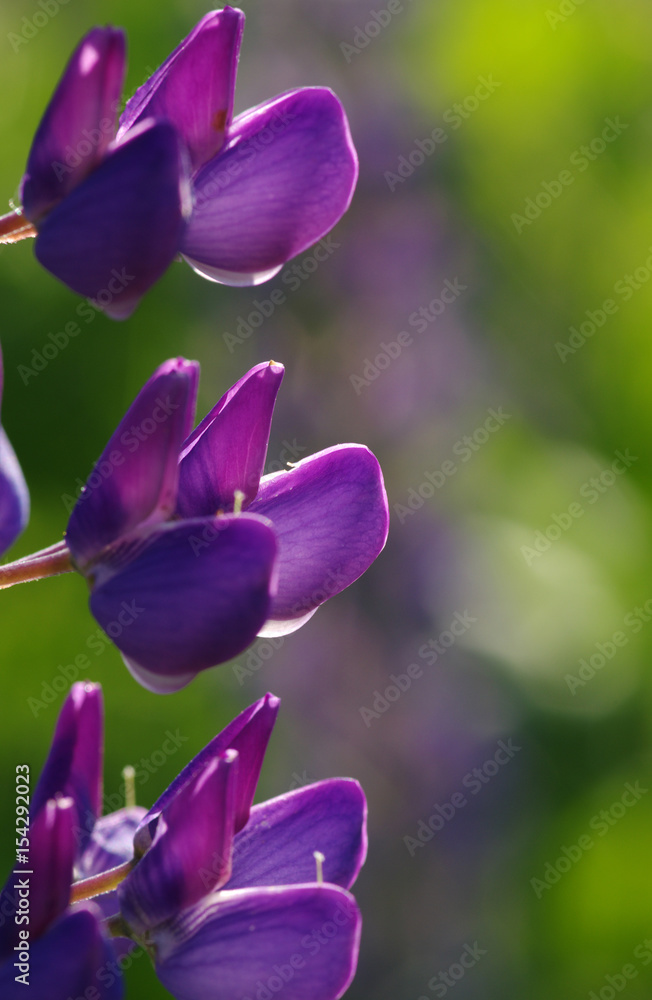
226, 898
112, 200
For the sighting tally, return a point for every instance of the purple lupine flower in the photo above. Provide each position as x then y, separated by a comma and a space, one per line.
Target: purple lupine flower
190, 552
236, 197
14, 498
67, 951
227, 896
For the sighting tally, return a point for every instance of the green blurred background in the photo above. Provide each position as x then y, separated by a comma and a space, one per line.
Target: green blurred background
505, 151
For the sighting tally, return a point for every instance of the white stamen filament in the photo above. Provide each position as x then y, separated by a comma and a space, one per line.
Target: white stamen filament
238, 500
129, 778
319, 861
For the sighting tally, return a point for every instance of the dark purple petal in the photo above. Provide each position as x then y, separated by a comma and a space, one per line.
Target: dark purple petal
135, 480
331, 518
52, 847
282, 181
278, 843
74, 764
197, 592
79, 123
14, 497
193, 89
191, 852
72, 960
300, 943
249, 734
227, 451
118, 231
110, 845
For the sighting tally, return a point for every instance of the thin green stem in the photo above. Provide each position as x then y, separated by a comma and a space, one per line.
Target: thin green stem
48, 562
104, 882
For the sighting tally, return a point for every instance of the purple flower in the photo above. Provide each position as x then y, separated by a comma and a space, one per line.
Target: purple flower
227, 897
61, 950
14, 498
189, 553
237, 197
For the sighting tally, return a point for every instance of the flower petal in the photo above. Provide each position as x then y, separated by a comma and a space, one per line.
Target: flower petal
14, 496
191, 853
249, 734
331, 518
135, 480
79, 123
118, 231
303, 940
284, 178
110, 845
74, 763
277, 845
194, 87
73, 959
227, 450
196, 593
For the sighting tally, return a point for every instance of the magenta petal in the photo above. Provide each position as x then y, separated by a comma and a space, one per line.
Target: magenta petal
249, 734
194, 595
303, 938
193, 89
118, 231
51, 855
74, 764
331, 518
278, 843
227, 451
191, 853
135, 480
14, 496
79, 123
283, 180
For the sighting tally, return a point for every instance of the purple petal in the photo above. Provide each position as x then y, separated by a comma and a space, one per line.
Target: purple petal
79, 123
135, 480
110, 845
74, 764
278, 843
249, 734
227, 451
14, 497
331, 518
191, 852
283, 180
118, 231
196, 594
73, 959
51, 855
193, 89
301, 940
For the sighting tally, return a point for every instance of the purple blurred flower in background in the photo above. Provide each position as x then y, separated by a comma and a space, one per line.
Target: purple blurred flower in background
189, 553
237, 197
59, 950
14, 498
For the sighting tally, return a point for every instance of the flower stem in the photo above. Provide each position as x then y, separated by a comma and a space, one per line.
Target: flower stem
14, 227
48, 562
86, 888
